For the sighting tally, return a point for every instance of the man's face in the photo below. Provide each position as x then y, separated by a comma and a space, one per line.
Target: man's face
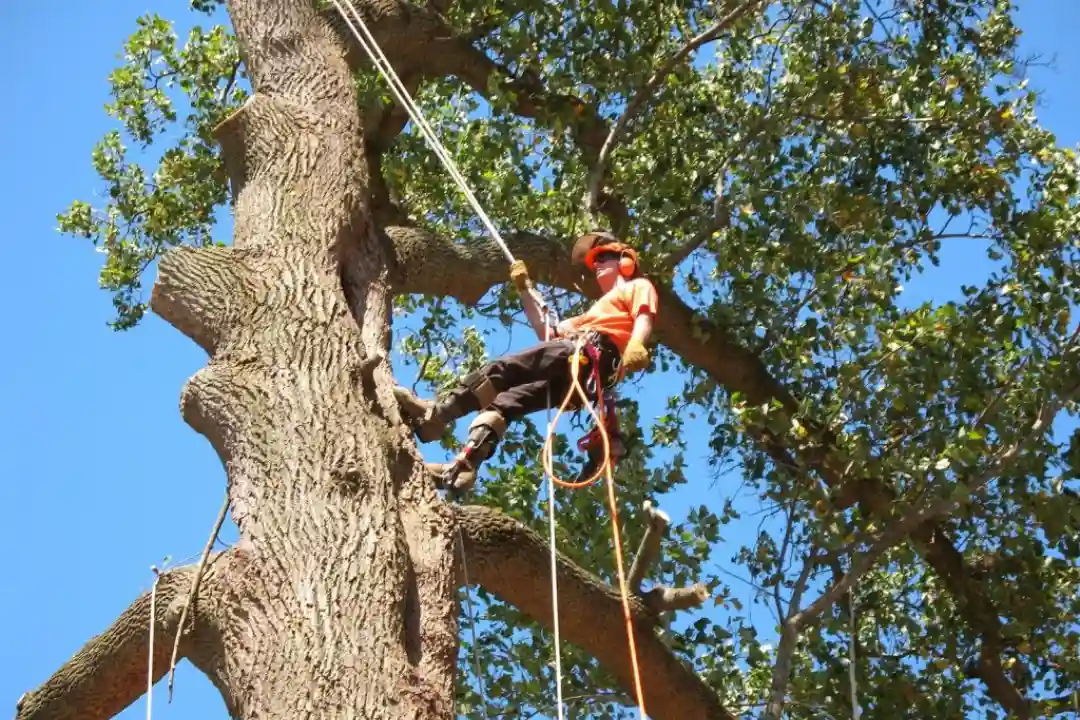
607, 270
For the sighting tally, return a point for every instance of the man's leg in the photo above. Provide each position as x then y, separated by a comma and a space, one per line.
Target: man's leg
487, 430
479, 389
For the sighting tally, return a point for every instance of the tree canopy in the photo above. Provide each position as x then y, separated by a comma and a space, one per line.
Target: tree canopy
912, 521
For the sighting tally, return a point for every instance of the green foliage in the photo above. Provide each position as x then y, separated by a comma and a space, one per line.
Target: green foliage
150, 211
856, 144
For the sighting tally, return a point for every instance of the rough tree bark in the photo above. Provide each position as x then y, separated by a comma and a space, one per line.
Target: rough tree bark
339, 598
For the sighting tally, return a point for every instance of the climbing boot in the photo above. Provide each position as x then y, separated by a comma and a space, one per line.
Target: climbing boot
459, 474
429, 419
422, 416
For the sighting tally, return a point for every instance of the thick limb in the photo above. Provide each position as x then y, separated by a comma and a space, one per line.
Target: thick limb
109, 673
510, 560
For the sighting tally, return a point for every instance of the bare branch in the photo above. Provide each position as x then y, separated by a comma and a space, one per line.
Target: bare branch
109, 673
721, 219
196, 580
596, 174
510, 560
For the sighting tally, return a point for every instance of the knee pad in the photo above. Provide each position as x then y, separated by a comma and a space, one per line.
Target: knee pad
485, 432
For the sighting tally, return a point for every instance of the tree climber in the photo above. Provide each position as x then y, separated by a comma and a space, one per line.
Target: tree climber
613, 331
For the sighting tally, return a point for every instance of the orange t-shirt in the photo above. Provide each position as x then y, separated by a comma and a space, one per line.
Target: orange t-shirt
615, 312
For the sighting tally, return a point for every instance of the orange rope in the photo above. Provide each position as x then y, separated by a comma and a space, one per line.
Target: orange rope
607, 470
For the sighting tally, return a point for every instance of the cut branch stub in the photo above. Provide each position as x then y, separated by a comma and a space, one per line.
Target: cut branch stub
649, 549
199, 292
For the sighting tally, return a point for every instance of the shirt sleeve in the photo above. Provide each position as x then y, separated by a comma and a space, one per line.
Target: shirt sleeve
643, 297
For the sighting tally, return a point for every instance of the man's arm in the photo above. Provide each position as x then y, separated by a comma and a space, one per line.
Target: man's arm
530, 298
534, 310
635, 356
643, 325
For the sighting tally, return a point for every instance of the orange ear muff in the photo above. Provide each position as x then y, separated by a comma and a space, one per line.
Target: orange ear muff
628, 259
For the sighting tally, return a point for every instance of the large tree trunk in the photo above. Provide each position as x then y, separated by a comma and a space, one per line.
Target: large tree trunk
324, 609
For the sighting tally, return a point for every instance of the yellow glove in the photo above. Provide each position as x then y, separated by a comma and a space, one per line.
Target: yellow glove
635, 357
519, 275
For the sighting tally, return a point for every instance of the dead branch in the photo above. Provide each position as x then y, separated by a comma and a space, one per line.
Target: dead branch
110, 672
195, 581
596, 174
512, 561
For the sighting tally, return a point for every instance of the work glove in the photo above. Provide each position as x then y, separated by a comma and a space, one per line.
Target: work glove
519, 275
635, 357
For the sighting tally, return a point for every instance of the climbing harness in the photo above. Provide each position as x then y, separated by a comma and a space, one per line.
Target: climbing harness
401, 94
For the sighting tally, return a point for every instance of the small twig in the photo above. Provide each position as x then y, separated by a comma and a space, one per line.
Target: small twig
645, 93
649, 549
195, 589
780, 560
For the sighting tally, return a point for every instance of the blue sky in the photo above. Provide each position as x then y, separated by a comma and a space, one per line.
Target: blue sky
79, 535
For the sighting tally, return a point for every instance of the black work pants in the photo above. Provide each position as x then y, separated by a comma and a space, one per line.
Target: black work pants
523, 379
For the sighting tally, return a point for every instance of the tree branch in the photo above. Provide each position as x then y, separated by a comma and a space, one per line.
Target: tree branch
109, 673
898, 531
510, 560
386, 122
789, 638
196, 580
596, 174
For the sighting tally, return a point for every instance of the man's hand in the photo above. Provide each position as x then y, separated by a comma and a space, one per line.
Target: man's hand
635, 357
519, 275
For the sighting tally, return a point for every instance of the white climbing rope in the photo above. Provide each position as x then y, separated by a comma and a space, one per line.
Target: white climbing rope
150, 646
401, 94
367, 41
554, 564
472, 625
